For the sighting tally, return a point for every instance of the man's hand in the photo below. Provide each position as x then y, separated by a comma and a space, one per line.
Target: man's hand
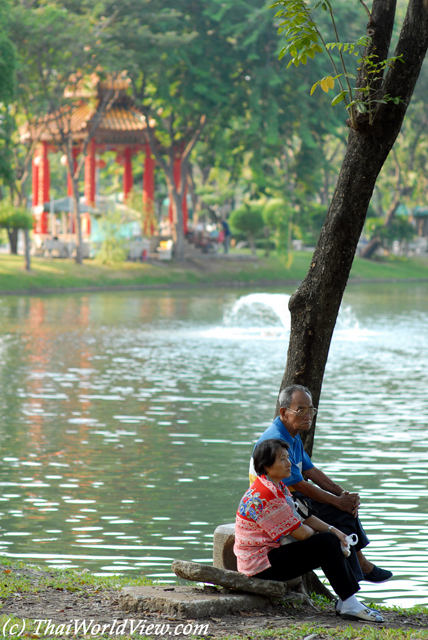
349, 502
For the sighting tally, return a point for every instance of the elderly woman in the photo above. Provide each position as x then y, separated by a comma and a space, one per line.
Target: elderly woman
267, 522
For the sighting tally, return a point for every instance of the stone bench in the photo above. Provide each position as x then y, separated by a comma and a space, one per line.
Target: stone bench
239, 593
223, 555
224, 558
224, 571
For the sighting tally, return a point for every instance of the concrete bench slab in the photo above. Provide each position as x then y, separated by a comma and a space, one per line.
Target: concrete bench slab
178, 601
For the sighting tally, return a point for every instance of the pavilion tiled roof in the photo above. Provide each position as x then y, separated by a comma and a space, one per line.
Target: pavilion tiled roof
121, 123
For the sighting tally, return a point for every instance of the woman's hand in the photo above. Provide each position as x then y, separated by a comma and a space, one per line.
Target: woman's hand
340, 535
344, 544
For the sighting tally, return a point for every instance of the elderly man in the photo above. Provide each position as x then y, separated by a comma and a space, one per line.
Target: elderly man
329, 501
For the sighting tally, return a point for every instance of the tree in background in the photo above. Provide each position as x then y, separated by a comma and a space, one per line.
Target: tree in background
13, 219
277, 216
182, 91
59, 50
403, 183
248, 220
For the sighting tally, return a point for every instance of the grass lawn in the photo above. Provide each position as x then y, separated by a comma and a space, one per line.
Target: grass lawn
47, 274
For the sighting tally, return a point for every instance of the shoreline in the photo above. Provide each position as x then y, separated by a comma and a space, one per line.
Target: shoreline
52, 600
175, 286
50, 277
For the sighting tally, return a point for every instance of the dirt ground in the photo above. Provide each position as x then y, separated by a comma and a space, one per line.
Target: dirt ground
60, 606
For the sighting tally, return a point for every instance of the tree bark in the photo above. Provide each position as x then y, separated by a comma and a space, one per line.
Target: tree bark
315, 304
13, 241
252, 243
179, 231
78, 222
27, 249
371, 247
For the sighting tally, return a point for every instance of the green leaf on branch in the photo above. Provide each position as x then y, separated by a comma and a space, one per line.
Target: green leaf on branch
314, 86
361, 107
340, 96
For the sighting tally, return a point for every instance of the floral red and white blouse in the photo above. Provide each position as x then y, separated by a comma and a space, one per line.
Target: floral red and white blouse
265, 515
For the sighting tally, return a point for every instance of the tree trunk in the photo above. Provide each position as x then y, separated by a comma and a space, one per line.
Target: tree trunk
13, 241
179, 231
371, 247
196, 201
79, 248
376, 241
315, 304
77, 221
252, 244
27, 249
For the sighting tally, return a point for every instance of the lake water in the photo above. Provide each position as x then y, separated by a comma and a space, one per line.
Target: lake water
127, 422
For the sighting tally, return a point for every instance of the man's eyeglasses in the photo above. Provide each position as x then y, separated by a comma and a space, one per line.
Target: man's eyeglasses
300, 413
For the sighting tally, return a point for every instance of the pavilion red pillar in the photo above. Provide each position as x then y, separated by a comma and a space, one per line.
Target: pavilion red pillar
148, 189
185, 210
90, 174
35, 189
90, 168
43, 187
35, 180
128, 181
177, 181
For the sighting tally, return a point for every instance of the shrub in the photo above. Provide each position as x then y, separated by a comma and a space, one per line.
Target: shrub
248, 219
113, 248
14, 217
277, 215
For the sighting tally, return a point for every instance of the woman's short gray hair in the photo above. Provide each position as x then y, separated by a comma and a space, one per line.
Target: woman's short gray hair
286, 395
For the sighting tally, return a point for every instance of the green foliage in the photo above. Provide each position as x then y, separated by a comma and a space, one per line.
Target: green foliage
6, 155
247, 219
311, 220
277, 215
113, 248
304, 41
399, 229
14, 217
7, 56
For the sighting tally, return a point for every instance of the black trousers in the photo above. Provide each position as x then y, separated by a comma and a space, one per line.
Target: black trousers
346, 523
320, 550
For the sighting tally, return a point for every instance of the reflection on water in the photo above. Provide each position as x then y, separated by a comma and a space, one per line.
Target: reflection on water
127, 421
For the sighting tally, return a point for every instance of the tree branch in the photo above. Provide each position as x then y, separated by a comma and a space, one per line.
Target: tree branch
366, 10
412, 45
154, 145
188, 150
105, 106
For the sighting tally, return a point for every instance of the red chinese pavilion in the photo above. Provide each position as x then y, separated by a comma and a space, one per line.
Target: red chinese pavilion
122, 129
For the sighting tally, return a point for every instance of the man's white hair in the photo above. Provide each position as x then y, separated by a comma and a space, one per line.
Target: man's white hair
286, 395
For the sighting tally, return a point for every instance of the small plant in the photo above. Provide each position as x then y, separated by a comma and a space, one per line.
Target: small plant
304, 41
